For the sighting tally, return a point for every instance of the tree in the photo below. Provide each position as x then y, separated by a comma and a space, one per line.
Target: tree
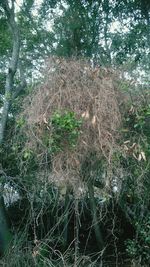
11, 92
85, 29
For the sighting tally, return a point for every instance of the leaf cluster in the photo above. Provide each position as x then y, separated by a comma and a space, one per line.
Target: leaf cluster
65, 130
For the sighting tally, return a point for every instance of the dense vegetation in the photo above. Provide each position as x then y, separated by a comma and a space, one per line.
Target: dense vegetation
74, 133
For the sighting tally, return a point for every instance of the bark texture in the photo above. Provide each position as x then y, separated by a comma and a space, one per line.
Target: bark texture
10, 14
10, 94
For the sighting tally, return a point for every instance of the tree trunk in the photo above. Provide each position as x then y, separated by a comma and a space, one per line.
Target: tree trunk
9, 93
5, 235
10, 14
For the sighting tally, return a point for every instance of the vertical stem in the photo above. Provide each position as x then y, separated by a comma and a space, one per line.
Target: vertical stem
4, 232
106, 30
97, 230
66, 218
76, 232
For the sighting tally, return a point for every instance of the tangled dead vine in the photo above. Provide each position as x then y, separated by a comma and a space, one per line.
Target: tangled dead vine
91, 94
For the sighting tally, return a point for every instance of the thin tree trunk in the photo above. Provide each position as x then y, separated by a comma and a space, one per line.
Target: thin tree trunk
9, 94
10, 14
5, 235
106, 33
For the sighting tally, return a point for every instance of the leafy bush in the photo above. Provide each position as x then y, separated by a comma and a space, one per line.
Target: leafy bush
135, 193
139, 248
65, 131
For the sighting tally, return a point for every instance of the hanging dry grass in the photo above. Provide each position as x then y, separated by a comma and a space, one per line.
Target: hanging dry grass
71, 85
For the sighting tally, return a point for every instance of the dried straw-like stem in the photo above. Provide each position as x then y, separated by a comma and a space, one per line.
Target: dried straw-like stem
72, 85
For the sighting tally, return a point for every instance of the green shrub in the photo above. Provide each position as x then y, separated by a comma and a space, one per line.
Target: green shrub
65, 131
139, 248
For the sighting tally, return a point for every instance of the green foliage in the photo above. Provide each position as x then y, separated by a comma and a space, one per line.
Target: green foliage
135, 192
139, 248
65, 131
142, 120
2, 83
76, 31
137, 121
20, 122
5, 38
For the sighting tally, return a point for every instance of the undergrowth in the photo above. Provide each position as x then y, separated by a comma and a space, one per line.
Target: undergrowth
82, 171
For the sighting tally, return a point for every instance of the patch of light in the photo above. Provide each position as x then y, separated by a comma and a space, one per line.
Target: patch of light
117, 26
10, 195
36, 6
49, 25
18, 4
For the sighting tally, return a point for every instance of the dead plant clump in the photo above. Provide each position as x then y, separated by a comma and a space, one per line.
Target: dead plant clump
73, 85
